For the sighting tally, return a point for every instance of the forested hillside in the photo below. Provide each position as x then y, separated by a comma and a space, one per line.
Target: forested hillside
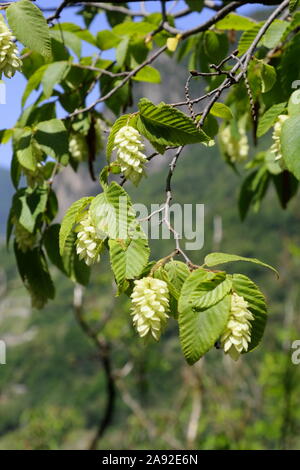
53, 388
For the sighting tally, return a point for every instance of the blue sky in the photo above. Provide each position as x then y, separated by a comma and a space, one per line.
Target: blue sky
15, 86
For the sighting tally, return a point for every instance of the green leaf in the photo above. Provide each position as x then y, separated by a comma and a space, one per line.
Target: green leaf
268, 77
274, 34
52, 137
114, 204
215, 46
29, 204
286, 186
290, 144
24, 150
52, 75
222, 111
253, 190
148, 74
68, 39
121, 51
213, 259
246, 288
198, 331
269, 117
76, 269
247, 38
35, 275
167, 126
33, 83
118, 124
211, 291
70, 219
195, 5
51, 244
76, 30
293, 5
235, 22
128, 258
107, 39
29, 26
177, 272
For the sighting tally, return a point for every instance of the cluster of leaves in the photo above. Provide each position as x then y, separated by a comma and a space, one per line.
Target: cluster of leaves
58, 76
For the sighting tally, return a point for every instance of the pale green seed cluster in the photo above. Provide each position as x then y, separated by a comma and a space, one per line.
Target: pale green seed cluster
78, 146
236, 148
237, 335
9, 59
88, 243
129, 153
150, 299
276, 136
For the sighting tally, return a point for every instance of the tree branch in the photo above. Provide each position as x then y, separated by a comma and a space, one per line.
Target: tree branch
103, 348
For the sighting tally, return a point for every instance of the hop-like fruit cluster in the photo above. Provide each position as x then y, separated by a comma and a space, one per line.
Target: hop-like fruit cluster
9, 59
150, 298
88, 244
24, 239
276, 147
129, 153
237, 335
78, 146
236, 148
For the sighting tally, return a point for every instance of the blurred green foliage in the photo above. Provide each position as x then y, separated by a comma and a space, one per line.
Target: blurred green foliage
52, 389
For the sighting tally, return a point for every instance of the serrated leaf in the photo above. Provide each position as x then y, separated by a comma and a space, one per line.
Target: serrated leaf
211, 292
35, 275
290, 144
29, 26
198, 331
121, 51
221, 110
115, 204
246, 288
29, 204
148, 74
274, 34
107, 39
235, 22
247, 38
177, 273
128, 258
52, 137
214, 259
24, 151
167, 126
70, 219
52, 75
253, 190
269, 117
33, 83
68, 39
202, 289
76, 269
268, 77
118, 124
